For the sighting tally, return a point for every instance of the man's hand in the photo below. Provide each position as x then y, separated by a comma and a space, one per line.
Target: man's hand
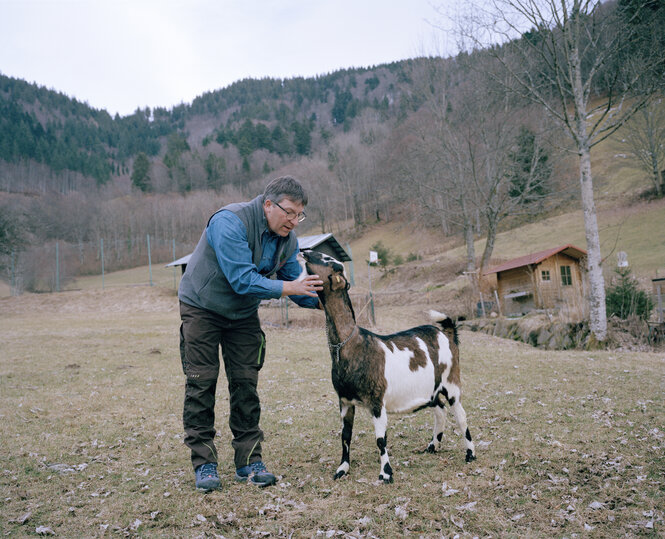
308, 286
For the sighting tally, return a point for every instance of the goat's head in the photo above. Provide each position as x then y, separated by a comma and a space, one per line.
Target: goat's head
330, 270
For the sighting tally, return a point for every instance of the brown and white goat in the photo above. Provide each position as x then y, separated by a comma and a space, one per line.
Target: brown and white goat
403, 372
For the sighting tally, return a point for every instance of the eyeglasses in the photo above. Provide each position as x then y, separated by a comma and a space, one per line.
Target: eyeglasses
291, 215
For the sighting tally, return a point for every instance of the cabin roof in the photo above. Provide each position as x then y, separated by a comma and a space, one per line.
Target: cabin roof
537, 258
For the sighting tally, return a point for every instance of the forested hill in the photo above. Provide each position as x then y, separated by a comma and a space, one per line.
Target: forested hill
287, 118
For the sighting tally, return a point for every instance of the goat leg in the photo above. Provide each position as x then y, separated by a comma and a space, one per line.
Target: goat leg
439, 420
380, 426
460, 416
347, 412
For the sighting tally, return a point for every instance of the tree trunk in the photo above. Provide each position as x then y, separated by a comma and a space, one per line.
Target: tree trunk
489, 243
597, 309
470, 247
657, 175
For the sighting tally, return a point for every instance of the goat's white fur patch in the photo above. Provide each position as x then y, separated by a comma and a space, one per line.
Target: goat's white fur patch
303, 269
344, 467
445, 354
406, 389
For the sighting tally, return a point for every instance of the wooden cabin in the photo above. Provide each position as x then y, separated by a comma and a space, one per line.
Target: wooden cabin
545, 280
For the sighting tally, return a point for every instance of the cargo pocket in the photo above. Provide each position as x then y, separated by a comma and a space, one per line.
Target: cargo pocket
262, 351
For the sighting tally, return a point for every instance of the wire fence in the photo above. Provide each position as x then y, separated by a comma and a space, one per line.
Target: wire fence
60, 265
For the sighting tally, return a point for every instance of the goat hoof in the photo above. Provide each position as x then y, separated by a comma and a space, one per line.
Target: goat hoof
430, 448
470, 456
386, 480
338, 475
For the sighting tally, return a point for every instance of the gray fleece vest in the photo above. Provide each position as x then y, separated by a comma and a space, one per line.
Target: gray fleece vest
203, 284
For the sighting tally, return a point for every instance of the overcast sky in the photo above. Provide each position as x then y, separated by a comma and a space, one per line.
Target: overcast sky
122, 54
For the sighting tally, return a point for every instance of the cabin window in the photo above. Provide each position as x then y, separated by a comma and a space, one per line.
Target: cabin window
566, 276
545, 275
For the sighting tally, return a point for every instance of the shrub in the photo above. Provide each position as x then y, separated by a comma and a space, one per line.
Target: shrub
624, 299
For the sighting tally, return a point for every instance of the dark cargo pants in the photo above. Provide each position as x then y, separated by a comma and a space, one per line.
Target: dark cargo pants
243, 351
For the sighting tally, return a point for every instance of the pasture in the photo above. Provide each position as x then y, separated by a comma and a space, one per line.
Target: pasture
569, 444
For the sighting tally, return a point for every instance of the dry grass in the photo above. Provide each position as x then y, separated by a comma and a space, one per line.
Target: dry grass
569, 443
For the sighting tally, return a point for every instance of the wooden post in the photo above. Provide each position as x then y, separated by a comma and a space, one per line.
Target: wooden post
57, 267
348, 248
101, 247
149, 261
175, 285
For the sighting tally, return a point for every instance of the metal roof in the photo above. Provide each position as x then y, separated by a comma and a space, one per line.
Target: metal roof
181, 261
312, 242
537, 258
304, 242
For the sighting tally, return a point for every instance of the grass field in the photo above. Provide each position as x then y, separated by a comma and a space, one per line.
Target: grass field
568, 443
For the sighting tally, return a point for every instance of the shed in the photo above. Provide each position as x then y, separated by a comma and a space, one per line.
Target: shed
542, 280
324, 243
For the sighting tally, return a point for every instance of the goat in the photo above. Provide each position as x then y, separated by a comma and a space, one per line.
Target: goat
403, 372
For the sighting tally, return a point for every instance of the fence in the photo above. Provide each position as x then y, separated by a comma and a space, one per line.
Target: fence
59, 265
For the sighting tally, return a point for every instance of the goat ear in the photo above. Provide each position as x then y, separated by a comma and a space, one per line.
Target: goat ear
337, 282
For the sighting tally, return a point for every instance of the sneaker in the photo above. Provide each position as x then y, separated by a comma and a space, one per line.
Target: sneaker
257, 474
207, 478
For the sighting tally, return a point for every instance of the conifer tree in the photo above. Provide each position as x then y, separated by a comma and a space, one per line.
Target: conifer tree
141, 173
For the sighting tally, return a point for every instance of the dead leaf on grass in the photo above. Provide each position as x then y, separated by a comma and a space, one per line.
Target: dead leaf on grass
401, 512
459, 522
22, 519
471, 506
448, 491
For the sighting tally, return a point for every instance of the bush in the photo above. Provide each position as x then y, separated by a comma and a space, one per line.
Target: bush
624, 299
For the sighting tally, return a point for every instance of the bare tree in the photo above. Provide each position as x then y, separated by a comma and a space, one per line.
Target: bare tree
463, 156
559, 54
644, 136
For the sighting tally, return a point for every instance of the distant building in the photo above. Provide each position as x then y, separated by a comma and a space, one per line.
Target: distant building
324, 243
543, 280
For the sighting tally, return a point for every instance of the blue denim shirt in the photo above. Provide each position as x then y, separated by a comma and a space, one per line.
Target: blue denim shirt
227, 235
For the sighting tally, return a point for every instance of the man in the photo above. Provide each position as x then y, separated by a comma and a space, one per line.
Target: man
243, 245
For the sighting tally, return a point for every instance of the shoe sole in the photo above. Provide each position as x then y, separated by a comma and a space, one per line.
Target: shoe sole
210, 488
241, 479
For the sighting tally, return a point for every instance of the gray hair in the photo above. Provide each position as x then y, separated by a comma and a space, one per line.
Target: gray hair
285, 187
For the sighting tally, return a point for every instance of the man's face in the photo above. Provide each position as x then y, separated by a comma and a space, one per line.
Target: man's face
283, 216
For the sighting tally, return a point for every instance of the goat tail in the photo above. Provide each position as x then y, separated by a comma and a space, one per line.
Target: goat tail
440, 318
447, 324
